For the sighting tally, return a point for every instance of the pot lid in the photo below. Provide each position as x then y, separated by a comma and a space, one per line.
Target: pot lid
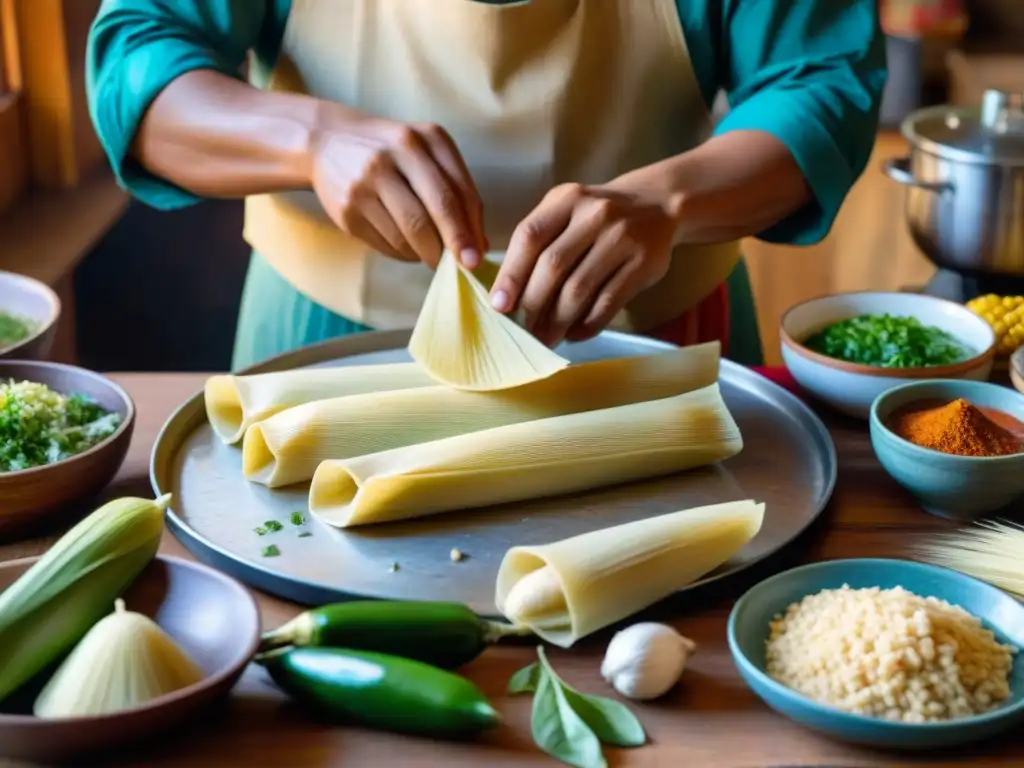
991, 135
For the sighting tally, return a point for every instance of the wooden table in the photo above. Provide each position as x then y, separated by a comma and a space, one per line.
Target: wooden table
711, 721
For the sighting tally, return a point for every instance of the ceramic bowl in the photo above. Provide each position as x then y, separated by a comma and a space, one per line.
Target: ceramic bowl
33, 300
748, 631
958, 487
211, 617
31, 498
851, 387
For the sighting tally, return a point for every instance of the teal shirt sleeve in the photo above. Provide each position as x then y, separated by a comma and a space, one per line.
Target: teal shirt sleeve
809, 72
137, 47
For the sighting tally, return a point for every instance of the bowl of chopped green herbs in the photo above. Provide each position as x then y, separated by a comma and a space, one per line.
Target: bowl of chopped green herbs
29, 312
64, 433
848, 348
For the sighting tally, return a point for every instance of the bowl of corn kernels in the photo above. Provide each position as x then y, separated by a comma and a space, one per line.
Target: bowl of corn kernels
1006, 316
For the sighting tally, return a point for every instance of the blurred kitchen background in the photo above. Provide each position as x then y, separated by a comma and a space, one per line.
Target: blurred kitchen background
145, 290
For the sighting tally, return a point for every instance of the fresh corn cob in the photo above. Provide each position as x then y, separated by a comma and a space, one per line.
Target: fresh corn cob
1006, 316
74, 585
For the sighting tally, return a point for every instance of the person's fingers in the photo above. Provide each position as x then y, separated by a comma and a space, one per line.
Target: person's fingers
622, 286
410, 219
534, 233
555, 265
437, 194
445, 152
372, 224
579, 292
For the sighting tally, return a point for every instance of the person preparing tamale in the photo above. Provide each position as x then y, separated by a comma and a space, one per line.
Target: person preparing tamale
572, 136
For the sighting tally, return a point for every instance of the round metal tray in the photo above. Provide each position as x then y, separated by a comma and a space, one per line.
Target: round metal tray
788, 462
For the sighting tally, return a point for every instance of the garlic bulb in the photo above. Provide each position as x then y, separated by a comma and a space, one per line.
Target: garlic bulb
125, 660
645, 660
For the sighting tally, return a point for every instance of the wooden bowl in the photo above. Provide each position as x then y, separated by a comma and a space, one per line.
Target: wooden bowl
33, 300
32, 498
212, 618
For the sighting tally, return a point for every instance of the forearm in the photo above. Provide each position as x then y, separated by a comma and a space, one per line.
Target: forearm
732, 186
218, 137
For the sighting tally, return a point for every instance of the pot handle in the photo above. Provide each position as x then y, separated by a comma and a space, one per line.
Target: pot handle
898, 169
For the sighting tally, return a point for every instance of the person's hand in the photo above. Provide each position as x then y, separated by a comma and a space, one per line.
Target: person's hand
576, 260
402, 189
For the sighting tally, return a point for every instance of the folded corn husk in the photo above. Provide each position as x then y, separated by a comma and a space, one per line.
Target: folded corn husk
288, 447
462, 341
568, 589
563, 454
233, 403
124, 661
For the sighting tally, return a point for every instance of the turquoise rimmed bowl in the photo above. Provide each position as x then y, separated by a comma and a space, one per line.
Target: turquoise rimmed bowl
749, 626
958, 487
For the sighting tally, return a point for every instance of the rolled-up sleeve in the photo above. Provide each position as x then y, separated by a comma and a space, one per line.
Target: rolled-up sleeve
811, 73
137, 47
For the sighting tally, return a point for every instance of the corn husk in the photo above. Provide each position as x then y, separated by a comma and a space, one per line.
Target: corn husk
55, 602
991, 551
563, 454
288, 447
124, 661
462, 341
568, 589
235, 402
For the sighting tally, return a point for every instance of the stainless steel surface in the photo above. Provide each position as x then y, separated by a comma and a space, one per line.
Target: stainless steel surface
788, 462
898, 169
1002, 112
965, 185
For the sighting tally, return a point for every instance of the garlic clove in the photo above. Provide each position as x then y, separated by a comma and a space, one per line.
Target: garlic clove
125, 660
645, 660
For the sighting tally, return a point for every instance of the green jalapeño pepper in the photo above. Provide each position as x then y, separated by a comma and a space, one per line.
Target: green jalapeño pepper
381, 691
446, 635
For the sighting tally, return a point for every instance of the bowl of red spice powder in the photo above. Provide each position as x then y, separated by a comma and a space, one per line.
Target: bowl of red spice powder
958, 446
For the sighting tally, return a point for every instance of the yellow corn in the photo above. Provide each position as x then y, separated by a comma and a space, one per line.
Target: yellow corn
1006, 316
56, 601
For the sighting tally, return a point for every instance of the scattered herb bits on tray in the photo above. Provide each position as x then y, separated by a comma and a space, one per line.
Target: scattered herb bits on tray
39, 426
888, 341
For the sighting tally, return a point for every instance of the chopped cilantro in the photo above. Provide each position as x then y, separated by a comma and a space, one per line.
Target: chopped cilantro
273, 526
39, 426
304, 534
260, 530
887, 341
270, 551
14, 329
297, 518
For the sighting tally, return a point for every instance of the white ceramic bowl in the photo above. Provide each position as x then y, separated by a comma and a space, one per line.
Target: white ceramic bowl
27, 297
851, 387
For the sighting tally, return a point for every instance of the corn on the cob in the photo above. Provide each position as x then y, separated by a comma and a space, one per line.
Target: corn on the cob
1006, 316
54, 603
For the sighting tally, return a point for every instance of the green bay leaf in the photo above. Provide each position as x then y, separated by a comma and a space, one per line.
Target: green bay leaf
525, 680
559, 731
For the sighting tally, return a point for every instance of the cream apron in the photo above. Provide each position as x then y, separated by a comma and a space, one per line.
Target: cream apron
534, 95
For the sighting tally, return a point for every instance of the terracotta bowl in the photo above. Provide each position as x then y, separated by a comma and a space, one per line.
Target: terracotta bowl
211, 616
31, 299
30, 498
851, 387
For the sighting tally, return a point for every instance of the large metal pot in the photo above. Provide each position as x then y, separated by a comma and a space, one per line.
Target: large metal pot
965, 184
